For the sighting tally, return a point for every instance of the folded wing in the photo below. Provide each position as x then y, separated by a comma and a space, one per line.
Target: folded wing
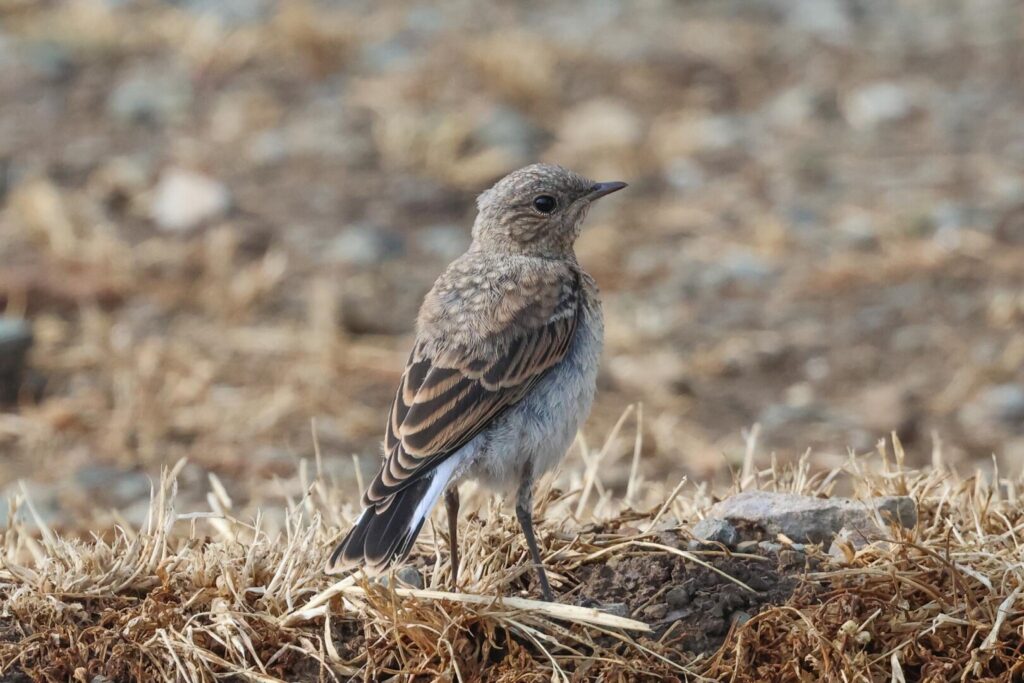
448, 395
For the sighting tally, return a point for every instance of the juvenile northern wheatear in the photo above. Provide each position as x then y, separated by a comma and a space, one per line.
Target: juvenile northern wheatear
502, 373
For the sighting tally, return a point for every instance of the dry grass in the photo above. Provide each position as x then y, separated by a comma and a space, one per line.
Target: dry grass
200, 595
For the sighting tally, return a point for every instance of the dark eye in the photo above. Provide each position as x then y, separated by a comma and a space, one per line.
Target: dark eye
545, 203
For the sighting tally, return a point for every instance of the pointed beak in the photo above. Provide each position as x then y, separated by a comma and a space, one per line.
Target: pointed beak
598, 190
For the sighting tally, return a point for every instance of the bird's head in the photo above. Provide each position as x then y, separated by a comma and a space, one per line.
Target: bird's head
537, 210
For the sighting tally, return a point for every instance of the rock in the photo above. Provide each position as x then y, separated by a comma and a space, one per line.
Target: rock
153, 95
738, 269
45, 497
805, 519
113, 486
716, 531
230, 14
778, 417
684, 175
998, 407
740, 618
827, 20
654, 612
848, 541
443, 241
393, 54
365, 245
15, 341
50, 59
877, 104
184, 199
858, 232
677, 597
618, 609
692, 135
506, 129
792, 108
410, 576
747, 546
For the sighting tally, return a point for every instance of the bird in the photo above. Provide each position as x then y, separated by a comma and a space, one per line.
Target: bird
502, 372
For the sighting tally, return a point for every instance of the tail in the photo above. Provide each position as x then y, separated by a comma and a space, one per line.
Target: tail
384, 534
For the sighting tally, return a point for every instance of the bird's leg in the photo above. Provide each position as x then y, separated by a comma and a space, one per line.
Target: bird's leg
451, 502
524, 511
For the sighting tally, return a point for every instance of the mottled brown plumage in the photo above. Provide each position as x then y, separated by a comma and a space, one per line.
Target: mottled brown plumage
498, 321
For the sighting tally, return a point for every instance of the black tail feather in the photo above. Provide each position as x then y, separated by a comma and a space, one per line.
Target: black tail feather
383, 539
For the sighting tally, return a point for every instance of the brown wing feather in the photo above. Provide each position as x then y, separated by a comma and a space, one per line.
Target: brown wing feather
444, 401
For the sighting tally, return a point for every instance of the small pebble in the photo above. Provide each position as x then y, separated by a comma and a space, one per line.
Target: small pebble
716, 531
740, 618
716, 627
410, 576
677, 597
655, 612
618, 609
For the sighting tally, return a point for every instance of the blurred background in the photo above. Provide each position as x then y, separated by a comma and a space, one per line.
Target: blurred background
218, 217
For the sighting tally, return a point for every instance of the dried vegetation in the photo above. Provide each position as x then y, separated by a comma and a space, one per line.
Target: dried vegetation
195, 596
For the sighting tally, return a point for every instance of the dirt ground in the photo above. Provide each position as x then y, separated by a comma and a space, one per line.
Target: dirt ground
692, 607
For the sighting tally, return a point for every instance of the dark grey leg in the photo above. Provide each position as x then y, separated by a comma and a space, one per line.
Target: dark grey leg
451, 502
524, 511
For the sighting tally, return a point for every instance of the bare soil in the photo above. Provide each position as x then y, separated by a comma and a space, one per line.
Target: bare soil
691, 607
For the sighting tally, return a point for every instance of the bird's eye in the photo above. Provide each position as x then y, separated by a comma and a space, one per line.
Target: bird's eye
545, 203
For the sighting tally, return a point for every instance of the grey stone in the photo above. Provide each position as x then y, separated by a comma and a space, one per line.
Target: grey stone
738, 268
45, 497
684, 175
152, 95
230, 13
618, 609
806, 519
878, 104
444, 241
996, 408
508, 130
410, 576
114, 486
406, 576
50, 59
740, 618
1006, 402
365, 245
184, 199
778, 416
654, 612
716, 531
858, 232
677, 597
855, 539
393, 54
746, 546
15, 341
826, 20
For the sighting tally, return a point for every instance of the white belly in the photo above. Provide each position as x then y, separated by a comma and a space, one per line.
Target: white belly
535, 434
